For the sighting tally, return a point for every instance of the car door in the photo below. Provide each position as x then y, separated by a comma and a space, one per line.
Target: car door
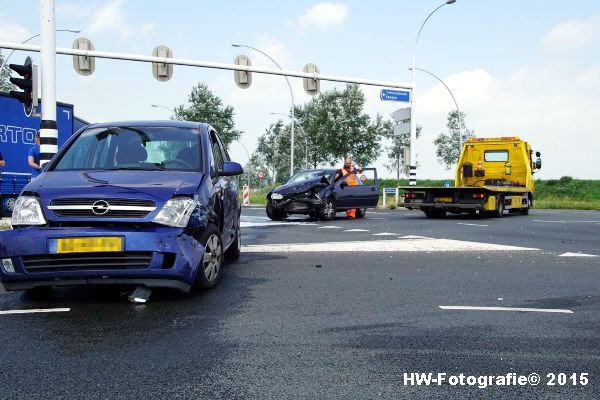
228, 188
363, 195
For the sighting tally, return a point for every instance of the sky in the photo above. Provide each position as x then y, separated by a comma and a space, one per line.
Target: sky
525, 68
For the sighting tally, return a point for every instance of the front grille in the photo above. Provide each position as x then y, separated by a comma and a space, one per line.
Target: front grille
117, 208
296, 205
87, 262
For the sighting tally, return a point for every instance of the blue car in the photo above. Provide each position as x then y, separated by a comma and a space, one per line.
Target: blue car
149, 204
318, 194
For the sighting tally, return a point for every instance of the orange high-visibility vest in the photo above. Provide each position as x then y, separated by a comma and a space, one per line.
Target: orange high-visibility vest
350, 179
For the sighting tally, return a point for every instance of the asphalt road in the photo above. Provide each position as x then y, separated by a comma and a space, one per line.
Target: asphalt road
341, 309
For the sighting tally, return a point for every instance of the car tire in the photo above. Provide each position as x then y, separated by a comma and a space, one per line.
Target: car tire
499, 212
327, 211
235, 248
209, 270
361, 212
274, 214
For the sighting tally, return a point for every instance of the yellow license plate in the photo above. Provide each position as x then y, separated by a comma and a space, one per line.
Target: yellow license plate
443, 199
86, 245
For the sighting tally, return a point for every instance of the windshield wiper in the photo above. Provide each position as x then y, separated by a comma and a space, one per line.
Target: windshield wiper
148, 168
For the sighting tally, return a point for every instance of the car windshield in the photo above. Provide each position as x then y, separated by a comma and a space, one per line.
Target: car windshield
304, 175
133, 148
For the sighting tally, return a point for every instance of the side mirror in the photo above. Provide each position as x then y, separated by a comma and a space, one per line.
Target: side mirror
538, 162
231, 168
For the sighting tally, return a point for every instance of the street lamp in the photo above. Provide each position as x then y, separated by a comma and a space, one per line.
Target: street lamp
31, 38
291, 94
460, 121
413, 123
166, 108
305, 138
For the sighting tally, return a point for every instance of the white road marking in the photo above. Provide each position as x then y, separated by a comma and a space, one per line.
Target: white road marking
518, 309
569, 254
413, 237
372, 219
566, 222
356, 230
329, 227
385, 234
35, 310
244, 224
378, 213
464, 223
413, 245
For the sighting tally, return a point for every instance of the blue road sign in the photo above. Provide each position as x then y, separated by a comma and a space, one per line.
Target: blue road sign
394, 95
389, 190
447, 184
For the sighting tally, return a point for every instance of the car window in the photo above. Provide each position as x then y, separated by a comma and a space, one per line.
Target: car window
217, 155
143, 148
496, 155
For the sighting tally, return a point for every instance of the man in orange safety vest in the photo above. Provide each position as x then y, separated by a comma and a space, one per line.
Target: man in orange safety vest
349, 170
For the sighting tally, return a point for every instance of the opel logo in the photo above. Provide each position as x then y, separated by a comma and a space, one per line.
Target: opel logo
100, 207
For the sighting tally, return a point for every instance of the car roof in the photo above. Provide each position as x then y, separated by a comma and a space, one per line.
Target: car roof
148, 123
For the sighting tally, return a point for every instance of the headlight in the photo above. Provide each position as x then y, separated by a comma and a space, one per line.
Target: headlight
27, 211
176, 212
276, 196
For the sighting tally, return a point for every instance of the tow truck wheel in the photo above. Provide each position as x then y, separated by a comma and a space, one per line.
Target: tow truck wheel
361, 212
274, 214
327, 211
499, 212
525, 210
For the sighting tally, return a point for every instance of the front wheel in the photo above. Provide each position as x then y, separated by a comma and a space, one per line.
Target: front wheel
209, 269
525, 210
327, 211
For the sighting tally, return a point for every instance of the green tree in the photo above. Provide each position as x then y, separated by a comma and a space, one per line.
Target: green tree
336, 126
447, 145
5, 85
204, 106
395, 153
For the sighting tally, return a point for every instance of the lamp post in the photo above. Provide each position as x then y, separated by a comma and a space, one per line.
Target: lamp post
291, 94
460, 121
31, 38
166, 108
413, 124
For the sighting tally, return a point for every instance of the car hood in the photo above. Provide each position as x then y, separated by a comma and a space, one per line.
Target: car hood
298, 187
156, 185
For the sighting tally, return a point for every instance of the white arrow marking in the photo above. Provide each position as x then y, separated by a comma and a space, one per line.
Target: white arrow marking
356, 230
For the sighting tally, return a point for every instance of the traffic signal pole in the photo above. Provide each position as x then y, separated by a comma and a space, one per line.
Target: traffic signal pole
48, 127
208, 64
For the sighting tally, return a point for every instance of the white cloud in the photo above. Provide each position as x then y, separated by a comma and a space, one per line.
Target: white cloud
12, 32
573, 34
109, 18
323, 16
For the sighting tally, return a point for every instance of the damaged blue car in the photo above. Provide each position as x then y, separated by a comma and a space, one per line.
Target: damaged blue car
148, 204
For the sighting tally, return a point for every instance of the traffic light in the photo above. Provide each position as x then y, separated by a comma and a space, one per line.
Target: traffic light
28, 82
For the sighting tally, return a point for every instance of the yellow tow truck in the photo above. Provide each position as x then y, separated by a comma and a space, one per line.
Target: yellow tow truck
493, 175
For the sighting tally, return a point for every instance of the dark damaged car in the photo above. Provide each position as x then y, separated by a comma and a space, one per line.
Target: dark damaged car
149, 204
318, 194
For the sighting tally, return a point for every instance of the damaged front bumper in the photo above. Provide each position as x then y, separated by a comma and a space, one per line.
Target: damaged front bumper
297, 205
152, 256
